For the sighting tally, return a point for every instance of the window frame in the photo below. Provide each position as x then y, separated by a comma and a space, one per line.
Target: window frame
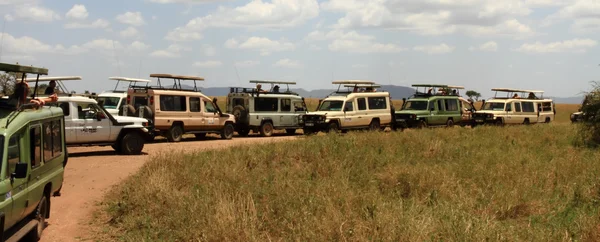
182, 100
198, 99
35, 159
372, 100
364, 104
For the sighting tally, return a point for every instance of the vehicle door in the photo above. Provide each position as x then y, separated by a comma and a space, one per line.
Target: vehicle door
351, 118
285, 113
539, 112
210, 116
437, 113
508, 114
16, 153
518, 116
195, 115
91, 123
362, 112
452, 110
70, 113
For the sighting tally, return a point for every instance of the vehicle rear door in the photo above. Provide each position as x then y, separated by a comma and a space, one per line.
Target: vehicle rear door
91, 123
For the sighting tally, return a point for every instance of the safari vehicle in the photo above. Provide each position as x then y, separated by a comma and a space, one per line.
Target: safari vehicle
113, 100
351, 109
263, 111
511, 108
33, 159
440, 105
177, 110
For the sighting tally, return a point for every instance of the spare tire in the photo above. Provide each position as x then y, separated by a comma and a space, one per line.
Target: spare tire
144, 112
130, 110
240, 114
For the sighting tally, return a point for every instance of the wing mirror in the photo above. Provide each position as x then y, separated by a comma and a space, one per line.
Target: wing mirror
20, 171
100, 116
431, 109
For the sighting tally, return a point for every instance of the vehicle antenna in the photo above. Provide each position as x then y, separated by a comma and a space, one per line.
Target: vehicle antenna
2, 39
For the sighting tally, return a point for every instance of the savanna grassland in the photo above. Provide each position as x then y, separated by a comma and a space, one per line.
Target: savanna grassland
458, 184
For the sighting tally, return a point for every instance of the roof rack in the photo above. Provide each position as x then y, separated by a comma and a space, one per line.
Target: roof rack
274, 89
58, 79
176, 81
132, 81
429, 90
513, 93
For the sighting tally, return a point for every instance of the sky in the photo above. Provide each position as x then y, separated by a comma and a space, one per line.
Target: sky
549, 45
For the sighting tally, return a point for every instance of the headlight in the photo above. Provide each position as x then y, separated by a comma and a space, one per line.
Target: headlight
490, 115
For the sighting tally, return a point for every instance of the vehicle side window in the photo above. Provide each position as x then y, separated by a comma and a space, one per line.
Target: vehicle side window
349, 106
210, 107
377, 103
440, 105
173, 103
52, 139
508, 107
451, 104
66, 108
286, 105
265, 104
362, 103
518, 107
35, 140
57, 141
528, 107
547, 107
14, 153
194, 104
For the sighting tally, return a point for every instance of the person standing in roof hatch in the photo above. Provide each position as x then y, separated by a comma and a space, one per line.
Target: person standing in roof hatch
51, 88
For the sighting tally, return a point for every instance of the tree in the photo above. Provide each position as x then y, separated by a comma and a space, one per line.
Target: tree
589, 130
473, 95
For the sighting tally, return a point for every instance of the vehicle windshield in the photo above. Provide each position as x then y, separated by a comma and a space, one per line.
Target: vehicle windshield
109, 102
331, 106
415, 105
493, 106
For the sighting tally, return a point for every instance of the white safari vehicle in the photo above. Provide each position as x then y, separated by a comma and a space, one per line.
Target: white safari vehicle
114, 100
88, 124
515, 106
362, 107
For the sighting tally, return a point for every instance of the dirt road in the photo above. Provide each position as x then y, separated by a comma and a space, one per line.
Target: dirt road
91, 171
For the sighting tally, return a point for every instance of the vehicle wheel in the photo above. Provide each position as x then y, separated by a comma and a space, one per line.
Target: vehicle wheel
144, 112
290, 131
132, 144
116, 147
333, 127
130, 111
175, 133
200, 135
307, 131
227, 132
374, 126
526, 121
547, 120
40, 215
244, 132
422, 124
450, 123
240, 114
499, 122
266, 129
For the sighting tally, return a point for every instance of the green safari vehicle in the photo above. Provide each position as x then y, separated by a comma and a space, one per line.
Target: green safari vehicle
34, 156
433, 105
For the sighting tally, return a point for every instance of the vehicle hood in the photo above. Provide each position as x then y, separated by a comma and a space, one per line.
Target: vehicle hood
126, 119
324, 113
417, 112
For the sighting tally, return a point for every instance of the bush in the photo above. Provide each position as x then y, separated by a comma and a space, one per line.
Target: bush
589, 133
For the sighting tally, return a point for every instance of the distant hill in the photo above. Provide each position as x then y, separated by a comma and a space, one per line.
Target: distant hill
567, 100
397, 92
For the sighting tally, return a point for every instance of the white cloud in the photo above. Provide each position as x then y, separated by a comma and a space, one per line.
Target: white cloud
287, 63
173, 51
26, 45
490, 46
574, 45
352, 42
264, 45
509, 28
184, 1
73, 50
434, 49
131, 18
247, 63
129, 32
359, 66
98, 24
208, 64
208, 50
586, 25
78, 12
138, 46
35, 13
275, 14
103, 45
9, 18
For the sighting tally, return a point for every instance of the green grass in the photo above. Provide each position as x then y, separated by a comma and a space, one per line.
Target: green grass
459, 184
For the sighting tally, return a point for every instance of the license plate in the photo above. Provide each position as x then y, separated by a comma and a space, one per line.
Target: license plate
310, 124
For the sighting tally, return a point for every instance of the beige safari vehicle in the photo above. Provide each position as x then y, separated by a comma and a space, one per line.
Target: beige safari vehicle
361, 106
515, 106
173, 111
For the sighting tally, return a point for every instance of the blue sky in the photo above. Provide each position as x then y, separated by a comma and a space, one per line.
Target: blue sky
550, 45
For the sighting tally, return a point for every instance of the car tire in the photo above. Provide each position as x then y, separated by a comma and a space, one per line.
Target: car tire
333, 127
499, 122
227, 132
422, 124
450, 123
130, 111
266, 129
40, 215
290, 131
116, 147
526, 122
374, 125
200, 135
175, 133
132, 143
240, 114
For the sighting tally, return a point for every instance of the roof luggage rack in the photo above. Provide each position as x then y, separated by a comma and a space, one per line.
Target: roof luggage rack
274, 89
176, 82
132, 82
514, 93
429, 90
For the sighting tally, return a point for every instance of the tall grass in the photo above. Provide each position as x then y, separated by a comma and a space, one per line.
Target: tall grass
487, 183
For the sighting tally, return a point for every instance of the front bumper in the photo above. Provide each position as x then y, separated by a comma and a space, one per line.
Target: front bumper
314, 122
406, 121
483, 119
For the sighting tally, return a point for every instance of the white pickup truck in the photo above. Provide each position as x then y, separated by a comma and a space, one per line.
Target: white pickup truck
88, 124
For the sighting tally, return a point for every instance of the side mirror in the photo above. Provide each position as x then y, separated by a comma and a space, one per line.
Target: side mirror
20, 171
100, 116
346, 109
